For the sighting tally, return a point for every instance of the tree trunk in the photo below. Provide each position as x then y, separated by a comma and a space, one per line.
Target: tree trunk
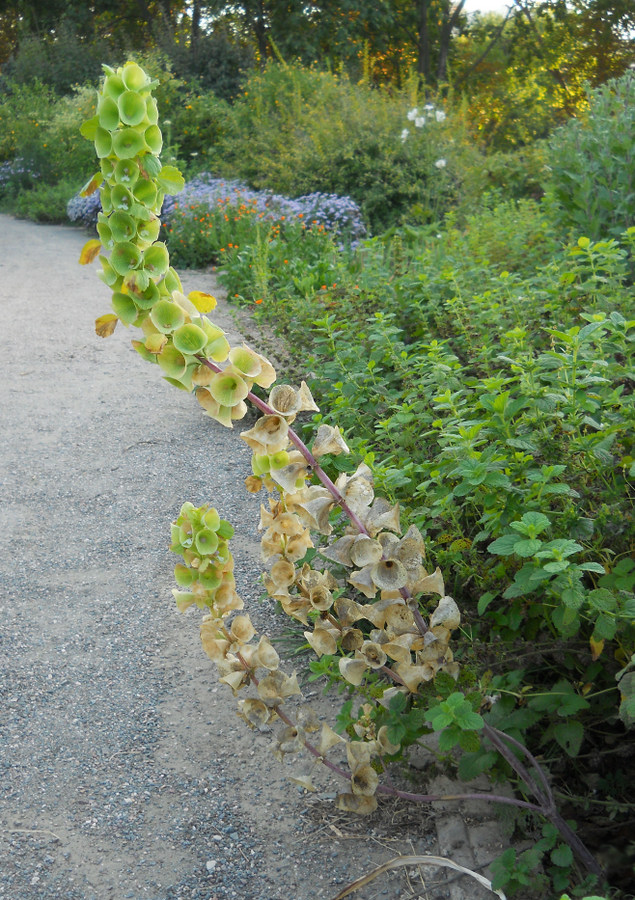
423, 41
196, 29
450, 18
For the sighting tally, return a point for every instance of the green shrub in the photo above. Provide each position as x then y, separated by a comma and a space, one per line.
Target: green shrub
25, 110
297, 130
61, 61
591, 186
218, 65
497, 407
44, 202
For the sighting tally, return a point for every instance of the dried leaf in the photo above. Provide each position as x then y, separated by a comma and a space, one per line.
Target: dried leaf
352, 670
105, 325
447, 614
90, 251
203, 302
328, 739
303, 781
357, 803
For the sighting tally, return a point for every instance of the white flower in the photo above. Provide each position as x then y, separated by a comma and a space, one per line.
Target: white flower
412, 114
441, 163
420, 121
440, 115
404, 135
429, 107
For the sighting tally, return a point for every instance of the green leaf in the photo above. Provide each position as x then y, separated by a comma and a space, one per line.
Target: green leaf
469, 741
484, 601
573, 597
469, 720
527, 548
449, 737
605, 628
592, 567
531, 524
504, 546
602, 600
562, 856
570, 736
170, 180
471, 765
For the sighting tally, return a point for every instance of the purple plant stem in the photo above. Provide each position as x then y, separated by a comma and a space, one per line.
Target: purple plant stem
388, 790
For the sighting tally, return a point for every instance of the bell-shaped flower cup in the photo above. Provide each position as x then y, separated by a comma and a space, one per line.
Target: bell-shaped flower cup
156, 260
228, 388
113, 86
167, 316
131, 107
108, 113
122, 226
124, 308
103, 143
145, 192
126, 172
153, 139
125, 257
133, 77
149, 231
126, 143
172, 362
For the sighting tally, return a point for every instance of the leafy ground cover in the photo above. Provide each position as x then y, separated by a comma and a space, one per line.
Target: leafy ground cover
496, 405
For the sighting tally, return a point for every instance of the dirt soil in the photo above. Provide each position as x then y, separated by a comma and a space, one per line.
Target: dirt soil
125, 772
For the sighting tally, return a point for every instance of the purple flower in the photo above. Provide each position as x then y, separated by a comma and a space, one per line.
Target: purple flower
339, 215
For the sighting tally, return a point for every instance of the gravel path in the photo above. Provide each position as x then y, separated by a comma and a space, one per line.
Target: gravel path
124, 772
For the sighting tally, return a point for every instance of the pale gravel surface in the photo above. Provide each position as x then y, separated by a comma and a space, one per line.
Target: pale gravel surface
124, 772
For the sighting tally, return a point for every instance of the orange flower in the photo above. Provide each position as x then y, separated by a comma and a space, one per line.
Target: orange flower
258, 301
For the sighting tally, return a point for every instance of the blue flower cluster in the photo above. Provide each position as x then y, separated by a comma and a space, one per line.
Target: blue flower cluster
84, 210
340, 215
16, 172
